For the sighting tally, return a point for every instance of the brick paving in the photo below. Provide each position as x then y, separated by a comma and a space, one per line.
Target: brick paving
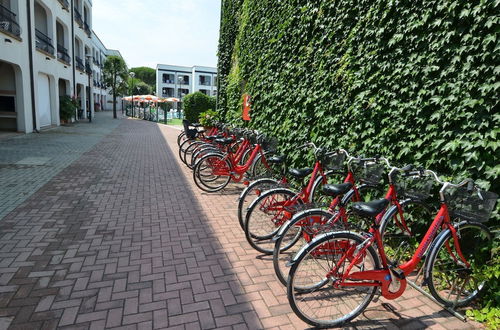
122, 238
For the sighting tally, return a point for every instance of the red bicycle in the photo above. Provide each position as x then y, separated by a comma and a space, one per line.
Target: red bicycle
339, 272
213, 171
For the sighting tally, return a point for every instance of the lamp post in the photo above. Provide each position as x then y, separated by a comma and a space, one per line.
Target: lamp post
132, 75
180, 96
89, 71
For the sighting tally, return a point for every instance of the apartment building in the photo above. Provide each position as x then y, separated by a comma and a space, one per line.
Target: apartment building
48, 49
177, 81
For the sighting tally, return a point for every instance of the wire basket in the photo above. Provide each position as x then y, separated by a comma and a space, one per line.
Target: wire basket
369, 172
251, 137
473, 206
269, 143
413, 186
333, 161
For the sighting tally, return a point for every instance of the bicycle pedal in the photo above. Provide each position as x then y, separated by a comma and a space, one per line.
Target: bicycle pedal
396, 271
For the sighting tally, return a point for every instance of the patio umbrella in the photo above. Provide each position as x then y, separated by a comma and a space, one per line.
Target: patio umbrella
171, 99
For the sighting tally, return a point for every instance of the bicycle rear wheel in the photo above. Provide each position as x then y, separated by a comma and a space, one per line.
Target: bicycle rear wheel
312, 293
450, 281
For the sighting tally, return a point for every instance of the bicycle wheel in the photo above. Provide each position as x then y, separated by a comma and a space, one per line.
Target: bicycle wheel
184, 146
401, 236
258, 168
250, 193
450, 281
203, 173
294, 234
266, 214
199, 152
191, 149
312, 293
181, 138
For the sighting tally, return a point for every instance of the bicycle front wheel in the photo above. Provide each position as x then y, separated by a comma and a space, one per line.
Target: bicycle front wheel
211, 173
320, 267
250, 193
450, 280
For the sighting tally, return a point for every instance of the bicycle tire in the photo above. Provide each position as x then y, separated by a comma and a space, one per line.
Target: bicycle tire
309, 269
181, 138
400, 242
200, 152
475, 241
249, 194
186, 144
193, 147
261, 224
211, 160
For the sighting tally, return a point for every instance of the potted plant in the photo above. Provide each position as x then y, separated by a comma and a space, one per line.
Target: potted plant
67, 107
208, 118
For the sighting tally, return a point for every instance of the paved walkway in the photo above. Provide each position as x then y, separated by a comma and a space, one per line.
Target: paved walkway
122, 238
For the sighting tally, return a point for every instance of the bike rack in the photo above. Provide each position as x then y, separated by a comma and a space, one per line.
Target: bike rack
420, 289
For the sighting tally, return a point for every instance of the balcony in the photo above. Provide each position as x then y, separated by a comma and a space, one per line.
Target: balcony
43, 42
78, 18
8, 22
86, 27
79, 64
64, 4
62, 54
88, 68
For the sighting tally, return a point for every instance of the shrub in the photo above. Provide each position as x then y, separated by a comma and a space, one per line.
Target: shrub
67, 107
196, 103
208, 118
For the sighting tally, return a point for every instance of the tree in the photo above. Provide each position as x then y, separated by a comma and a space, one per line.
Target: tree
146, 74
196, 103
115, 73
140, 87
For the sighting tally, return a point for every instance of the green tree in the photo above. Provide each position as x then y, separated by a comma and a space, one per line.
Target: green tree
196, 103
115, 74
146, 74
140, 87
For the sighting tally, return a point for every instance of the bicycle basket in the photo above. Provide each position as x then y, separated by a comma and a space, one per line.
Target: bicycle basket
269, 143
333, 161
368, 172
473, 206
412, 186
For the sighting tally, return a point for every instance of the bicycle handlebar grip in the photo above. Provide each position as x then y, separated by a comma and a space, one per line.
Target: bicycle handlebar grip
408, 168
470, 185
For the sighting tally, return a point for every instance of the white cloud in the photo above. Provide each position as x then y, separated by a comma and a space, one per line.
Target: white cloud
148, 32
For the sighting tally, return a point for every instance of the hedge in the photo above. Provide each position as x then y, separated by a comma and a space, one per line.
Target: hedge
414, 81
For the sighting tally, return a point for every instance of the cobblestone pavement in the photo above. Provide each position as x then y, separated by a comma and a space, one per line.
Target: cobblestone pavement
28, 161
122, 238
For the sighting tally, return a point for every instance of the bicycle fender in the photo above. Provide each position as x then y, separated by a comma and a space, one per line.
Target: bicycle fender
265, 194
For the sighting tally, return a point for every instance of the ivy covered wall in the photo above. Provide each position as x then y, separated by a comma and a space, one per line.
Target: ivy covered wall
416, 81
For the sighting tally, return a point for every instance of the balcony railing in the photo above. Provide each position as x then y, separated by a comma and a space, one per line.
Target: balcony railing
8, 22
43, 42
205, 83
78, 18
79, 64
86, 27
64, 4
88, 68
62, 54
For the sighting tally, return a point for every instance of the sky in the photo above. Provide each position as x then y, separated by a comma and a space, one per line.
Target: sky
151, 32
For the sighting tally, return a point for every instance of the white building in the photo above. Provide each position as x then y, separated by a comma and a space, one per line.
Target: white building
177, 81
47, 49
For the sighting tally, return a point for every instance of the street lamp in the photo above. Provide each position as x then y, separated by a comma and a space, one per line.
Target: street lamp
180, 96
132, 75
89, 71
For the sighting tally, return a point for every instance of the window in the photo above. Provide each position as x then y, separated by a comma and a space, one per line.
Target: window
183, 79
205, 80
168, 78
205, 91
167, 92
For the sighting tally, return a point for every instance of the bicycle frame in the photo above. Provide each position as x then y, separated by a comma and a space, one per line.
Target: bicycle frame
384, 277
